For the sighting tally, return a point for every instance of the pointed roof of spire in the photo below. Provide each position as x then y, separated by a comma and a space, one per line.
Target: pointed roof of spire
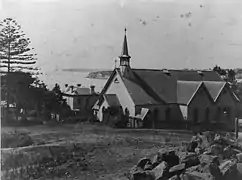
125, 52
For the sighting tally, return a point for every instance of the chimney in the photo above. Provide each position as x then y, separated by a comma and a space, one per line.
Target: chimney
79, 85
92, 89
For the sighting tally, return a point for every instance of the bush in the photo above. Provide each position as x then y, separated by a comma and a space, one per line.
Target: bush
15, 139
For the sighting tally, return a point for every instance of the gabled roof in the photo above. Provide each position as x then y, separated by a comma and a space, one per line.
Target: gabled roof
137, 93
153, 86
214, 88
82, 91
112, 99
161, 84
186, 90
184, 75
194, 75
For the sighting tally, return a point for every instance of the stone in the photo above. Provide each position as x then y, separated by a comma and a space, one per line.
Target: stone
137, 173
148, 166
175, 177
205, 161
196, 176
215, 171
192, 146
216, 149
143, 176
190, 160
198, 150
229, 169
239, 157
177, 170
160, 171
230, 152
157, 159
142, 162
169, 157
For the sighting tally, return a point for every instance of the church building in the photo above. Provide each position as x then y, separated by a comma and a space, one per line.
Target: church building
161, 98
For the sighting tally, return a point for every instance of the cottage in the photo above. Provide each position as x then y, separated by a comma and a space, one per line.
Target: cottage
81, 99
162, 98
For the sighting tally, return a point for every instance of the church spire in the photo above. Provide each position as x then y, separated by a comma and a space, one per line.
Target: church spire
124, 57
125, 51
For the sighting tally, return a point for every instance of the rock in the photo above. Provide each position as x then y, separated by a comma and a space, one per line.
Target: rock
190, 160
169, 157
198, 151
216, 149
192, 146
137, 173
148, 166
205, 161
215, 171
239, 169
178, 167
142, 162
230, 152
143, 176
177, 170
229, 169
195, 176
157, 159
239, 157
175, 177
160, 171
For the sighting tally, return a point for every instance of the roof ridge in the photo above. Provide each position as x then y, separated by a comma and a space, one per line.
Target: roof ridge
152, 69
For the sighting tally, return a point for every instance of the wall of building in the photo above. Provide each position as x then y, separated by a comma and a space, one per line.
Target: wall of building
123, 95
167, 115
100, 112
84, 103
69, 101
200, 101
225, 100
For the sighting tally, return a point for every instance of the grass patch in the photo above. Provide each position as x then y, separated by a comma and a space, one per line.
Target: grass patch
15, 139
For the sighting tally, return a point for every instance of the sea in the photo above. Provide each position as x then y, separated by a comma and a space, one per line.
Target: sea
71, 78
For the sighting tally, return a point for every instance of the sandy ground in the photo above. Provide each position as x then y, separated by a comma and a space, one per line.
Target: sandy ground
111, 152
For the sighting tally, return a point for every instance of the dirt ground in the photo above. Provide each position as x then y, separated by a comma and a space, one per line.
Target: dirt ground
109, 152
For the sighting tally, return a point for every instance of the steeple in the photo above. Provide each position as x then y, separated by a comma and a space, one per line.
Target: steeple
124, 57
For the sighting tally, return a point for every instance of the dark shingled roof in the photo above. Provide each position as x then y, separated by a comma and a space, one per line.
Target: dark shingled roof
137, 93
193, 75
214, 88
163, 85
112, 99
186, 90
164, 82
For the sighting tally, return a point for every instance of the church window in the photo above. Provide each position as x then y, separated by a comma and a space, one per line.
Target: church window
116, 80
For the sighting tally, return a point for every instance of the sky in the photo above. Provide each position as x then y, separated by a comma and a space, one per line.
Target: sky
161, 33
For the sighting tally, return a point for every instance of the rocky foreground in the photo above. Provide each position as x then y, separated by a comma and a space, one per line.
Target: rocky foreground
208, 156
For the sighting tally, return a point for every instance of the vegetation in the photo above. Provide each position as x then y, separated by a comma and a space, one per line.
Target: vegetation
15, 139
14, 47
83, 151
